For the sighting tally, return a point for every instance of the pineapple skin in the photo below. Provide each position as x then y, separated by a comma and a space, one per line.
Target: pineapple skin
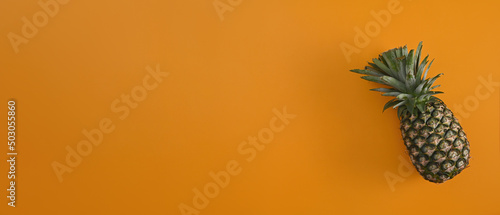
436, 143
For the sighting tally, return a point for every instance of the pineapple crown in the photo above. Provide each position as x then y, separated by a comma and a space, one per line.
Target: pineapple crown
403, 74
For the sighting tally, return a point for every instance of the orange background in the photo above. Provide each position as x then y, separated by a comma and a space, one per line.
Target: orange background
225, 79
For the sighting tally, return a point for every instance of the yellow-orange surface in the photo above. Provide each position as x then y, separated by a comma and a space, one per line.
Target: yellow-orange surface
237, 106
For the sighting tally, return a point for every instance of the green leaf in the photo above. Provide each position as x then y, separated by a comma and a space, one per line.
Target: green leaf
432, 80
390, 62
434, 87
421, 67
382, 66
402, 73
398, 52
384, 90
390, 103
420, 99
426, 97
411, 105
400, 112
392, 94
410, 79
425, 74
409, 63
419, 88
375, 68
421, 107
410, 73
399, 104
366, 72
436, 92
394, 82
417, 54
404, 96
374, 79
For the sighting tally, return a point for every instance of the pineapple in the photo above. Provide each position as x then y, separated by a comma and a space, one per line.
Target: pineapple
434, 139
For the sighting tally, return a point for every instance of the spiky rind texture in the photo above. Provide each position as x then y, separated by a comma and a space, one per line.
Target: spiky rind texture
436, 143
